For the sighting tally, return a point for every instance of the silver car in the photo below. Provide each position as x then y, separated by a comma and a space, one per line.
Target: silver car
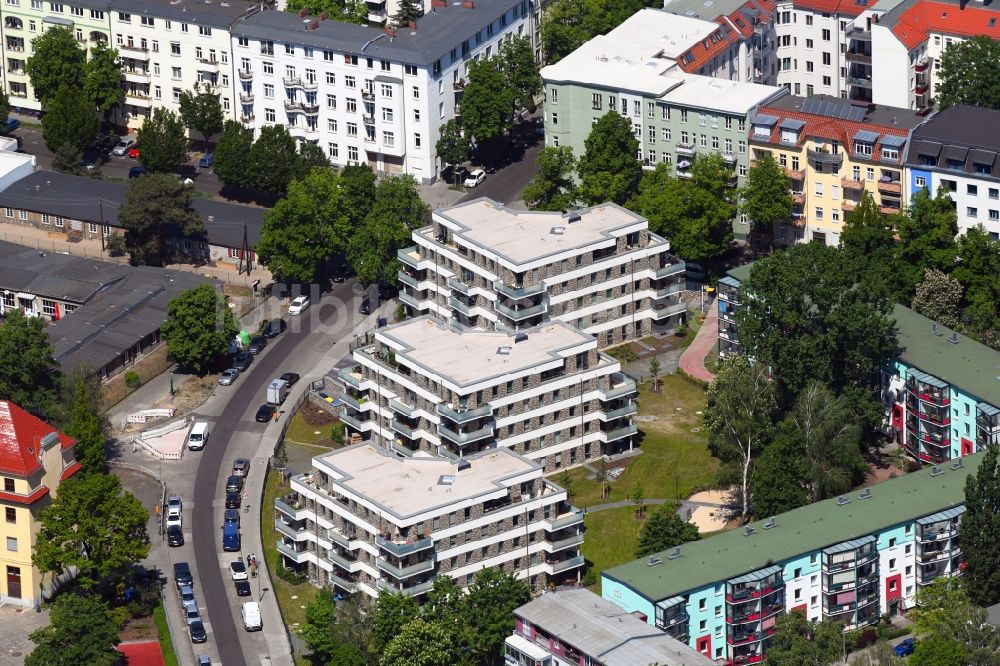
123, 146
229, 376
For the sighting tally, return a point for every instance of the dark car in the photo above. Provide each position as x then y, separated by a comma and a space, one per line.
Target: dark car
9, 125
175, 537
136, 171
257, 344
274, 328
290, 377
197, 630
341, 273
231, 516
233, 500
906, 648
234, 484
366, 307
242, 361
265, 413
182, 574
243, 588
207, 161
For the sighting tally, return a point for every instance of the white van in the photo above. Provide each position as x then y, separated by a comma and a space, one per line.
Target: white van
251, 616
198, 436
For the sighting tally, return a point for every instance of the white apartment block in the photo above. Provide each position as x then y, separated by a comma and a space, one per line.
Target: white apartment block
366, 520
425, 388
600, 270
367, 95
166, 46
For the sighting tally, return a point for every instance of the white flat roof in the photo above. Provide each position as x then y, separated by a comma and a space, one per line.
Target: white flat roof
707, 92
409, 486
471, 356
522, 237
613, 63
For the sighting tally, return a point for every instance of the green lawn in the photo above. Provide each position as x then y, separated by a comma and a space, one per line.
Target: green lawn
610, 539
300, 431
674, 463
166, 645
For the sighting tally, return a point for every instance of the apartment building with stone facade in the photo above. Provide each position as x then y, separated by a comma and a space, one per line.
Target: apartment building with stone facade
599, 269
428, 388
365, 519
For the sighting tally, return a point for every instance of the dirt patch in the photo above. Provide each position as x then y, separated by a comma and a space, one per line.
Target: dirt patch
141, 629
115, 390
317, 417
189, 392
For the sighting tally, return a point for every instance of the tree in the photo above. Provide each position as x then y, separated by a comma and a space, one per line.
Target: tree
68, 126
311, 157
393, 611
318, 633
407, 11
868, 241
201, 111
4, 106
663, 530
357, 192
28, 373
638, 498
779, 475
936, 651
86, 424
980, 527
926, 236
968, 73
799, 642
162, 141
520, 72
353, 630
95, 526
654, 370
486, 101
272, 157
421, 643
57, 60
232, 155
446, 605
199, 327
395, 212
977, 268
489, 610
82, 630
944, 611
567, 24
767, 197
939, 298
102, 82
157, 205
741, 404
552, 187
608, 169
452, 147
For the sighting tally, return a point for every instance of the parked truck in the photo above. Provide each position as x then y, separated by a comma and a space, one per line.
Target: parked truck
277, 391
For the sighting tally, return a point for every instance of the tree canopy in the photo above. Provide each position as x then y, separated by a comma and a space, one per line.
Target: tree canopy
232, 155
767, 199
273, 158
799, 642
567, 24
452, 147
421, 643
56, 61
29, 376
663, 530
162, 141
552, 187
926, 236
980, 527
407, 11
969, 73
945, 613
82, 630
68, 126
201, 111
608, 169
86, 422
487, 101
199, 327
520, 72
395, 212
939, 297
157, 205
102, 84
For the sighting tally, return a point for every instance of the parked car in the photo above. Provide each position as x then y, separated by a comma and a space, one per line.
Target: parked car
9, 125
204, 660
230, 537
233, 500
182, 574
265, 413
207, 160
186, 596
191, 613
229, 376
906, 648
257, 344
243, 588
238, 570
290, 377
197, 631
175, 502
175, 536
234, 484
174, 518
298, 305
136, 171
133, 152
241, 466
474, 178
366, 307
274, 328
123, 146
232, 516
242, 361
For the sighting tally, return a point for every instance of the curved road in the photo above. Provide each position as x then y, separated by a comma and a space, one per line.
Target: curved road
213, 468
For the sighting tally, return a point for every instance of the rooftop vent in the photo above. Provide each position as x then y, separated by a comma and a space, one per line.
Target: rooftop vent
935, 331
503, 351
841, 501
653, 561
953, 338
557, 231
958, 464
520, 337
675, 553
747, 531
573, 217
936, 471
463, 465
865, 494
771, 522
446, 480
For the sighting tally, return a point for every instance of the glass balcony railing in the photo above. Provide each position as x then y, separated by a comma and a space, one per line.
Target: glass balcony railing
402, 548
463, 438
517, 293
466, 415
406, 571
411, 591
521, 313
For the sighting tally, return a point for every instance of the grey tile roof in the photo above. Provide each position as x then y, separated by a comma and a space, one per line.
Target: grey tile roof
439, 31
54, 275
212, 13
960, 132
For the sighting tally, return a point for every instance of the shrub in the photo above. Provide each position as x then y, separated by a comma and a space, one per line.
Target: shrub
289, 576
913, 466
115, 245
681, 330
337, 432
590, 578
400, 313
132, 379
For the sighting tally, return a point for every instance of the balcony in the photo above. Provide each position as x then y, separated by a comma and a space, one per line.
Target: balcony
136, 75
402, 408
412, 591
621, 412
350, 378
553, 546
341, 561
670, 290
246, 118
937, 535
848, 205
357, 404
312, 108
516, 293
920, 89
672, 269
292, 81
297, 556
136, 98
670, 310
400, 549
343, 583
409, 256
463, 438
464, 416
890, 186
246, 98
401, 428
890, 210
620, 385
851, 184
921, 66
729, 157
245, 74
407, 571
342, 540
461, 306
572, 517
310, 84
795, 174
291, 506
133, 52
210, 66
686, 148
457, 285
353, 422
858, 56
559, 566
860, 81
292, 105
825, 157
521, 313
368, 95
296, 533
618, 433
685, 175
367, 119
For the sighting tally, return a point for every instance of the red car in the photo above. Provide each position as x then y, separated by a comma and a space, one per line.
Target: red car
133, 152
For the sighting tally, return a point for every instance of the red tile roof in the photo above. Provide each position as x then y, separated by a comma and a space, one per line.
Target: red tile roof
145, 653
73, 468
914, 25
733, 28
823, 127
837, 7
21, 435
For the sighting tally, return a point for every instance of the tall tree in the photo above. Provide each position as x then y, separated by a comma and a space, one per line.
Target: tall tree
767, 197
486, 101
395, 212
57, 60
663, 530
977, 268
310, 157
945, 612
393, 611
357, 191
741, 407
452, 147
199, 327
799, 642
4, 108
162, 141
609, 170
353, 631
969, 73
82, 630
939, 297
274, 146
567, 24
980, 527
102, 83
868, 241
318, 632
94, 526
779, 475
552, 187
29, 375
926, 236
520, 72
489, 607
232, 155
68, 126
86, 423
157, 205
407, 11
201, 111
421, 643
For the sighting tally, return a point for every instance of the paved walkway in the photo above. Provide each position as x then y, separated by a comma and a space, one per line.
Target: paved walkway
693, 358
685, 505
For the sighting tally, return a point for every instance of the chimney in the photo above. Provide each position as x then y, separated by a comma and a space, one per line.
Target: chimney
390, 31
323, 16
413, 25
304, 12
468, 4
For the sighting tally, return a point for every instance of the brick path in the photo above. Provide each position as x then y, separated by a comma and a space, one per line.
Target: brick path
693, 358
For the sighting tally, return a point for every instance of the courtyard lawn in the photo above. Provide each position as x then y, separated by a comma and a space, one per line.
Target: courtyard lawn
308, 421
610, 539
674, 463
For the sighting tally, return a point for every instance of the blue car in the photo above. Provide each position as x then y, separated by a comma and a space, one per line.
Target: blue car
9, 125
207, 161
136, 171
906, 648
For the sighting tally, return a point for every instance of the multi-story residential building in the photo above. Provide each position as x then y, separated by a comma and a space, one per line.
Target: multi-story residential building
426, 388
942, 393
579, 627
833, 151
35, 459
364, 519
849, 560
368, 95
958, 148
636, 70
728, 301
599, 269
907, 42
24, 20
167, 46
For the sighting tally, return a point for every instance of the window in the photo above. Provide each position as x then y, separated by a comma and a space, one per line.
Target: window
826, 80
352, 153
76, 11
23, 214
665, 132
242, 41
972, 190
819, 189
386, 91
12, 544
269, 116
268, 67
919, 181
415, 92
387, 115
819, 213
55, 8
352, 105
45, 218
175, 48
826, 35
870, 175
11, 514
596, 101
334, 150
972, 212
269, 91
416, 141
350, 82
890, 153
555, 118
410, 70
863, 148
352, 129
416, 115
388, 139
331, 125
8, 485
48, 307
175, 73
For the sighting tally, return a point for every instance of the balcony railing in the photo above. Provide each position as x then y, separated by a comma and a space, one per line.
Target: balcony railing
620, 412
463, 438
457, 285
464, 416
825, 157
563, 565
353, 402
292, 82
859, 56
624, 386
297, 533
670, 310
340, 560
672, 269
401, 407
670, 290
295, 555
407, 571
517, 293
408, 255
574, 540
350, 378
573, 517
401, 549
687, 148
402, 429
522, 313
457, 304
619, 433
411, 591
290, 506
351, 421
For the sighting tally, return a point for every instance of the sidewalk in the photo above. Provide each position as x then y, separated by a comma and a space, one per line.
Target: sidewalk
693, 358
439, 194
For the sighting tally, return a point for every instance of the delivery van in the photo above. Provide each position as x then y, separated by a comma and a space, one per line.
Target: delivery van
198, 436
230, 537
277, 391
251, 616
